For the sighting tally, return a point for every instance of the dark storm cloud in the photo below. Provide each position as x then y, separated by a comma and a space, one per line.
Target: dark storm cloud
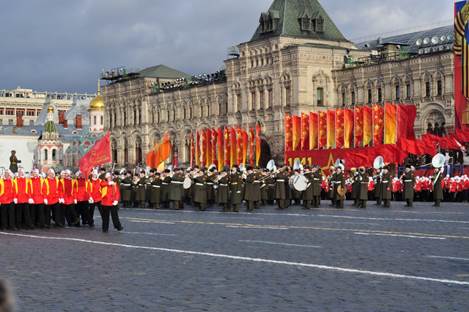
64, 44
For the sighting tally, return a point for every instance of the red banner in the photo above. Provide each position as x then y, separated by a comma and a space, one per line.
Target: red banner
339, 128
331, 129
208, 134
313, 131
214, 147
367, 126
288, 133
245, 145
378, 124
192, 156
252, 147
98, 155
221, 149
358, 141
258, 144
239, 145
322, 140
296, 132
197, 150
461, 67
304, 131
406, 115
227, 147
348, 128
234, 149
390, 124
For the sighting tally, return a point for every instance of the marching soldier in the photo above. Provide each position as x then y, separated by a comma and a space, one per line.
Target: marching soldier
331, 178
282, 188
211, 178
148, 188
363, 180
252, 188
200, 193
378, 187
155, 193
68, 192
140, 191
409, 183
296, 195
268, 188
176, 192
338, 181
308, 193
316, 186
236, 188
386, 193
224, 190
355, 176
437, 189
126, 187
165, 188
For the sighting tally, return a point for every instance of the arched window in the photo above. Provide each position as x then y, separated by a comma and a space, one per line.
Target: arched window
46, 155
54, 154
94, 120
102, 120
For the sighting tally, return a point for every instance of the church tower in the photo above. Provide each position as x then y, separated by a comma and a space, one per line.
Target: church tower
49, 151
96, 111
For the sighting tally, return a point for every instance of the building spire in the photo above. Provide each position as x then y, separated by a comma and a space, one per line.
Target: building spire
99, 87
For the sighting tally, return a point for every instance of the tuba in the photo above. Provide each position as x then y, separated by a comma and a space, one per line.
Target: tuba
378, 163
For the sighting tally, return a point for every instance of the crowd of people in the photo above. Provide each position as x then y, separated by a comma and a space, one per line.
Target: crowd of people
38, 200
230, 188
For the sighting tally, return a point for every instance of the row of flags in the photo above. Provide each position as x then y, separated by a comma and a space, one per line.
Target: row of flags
227, 146
361, 126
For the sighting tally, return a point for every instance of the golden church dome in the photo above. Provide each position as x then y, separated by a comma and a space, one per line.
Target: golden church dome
97, 103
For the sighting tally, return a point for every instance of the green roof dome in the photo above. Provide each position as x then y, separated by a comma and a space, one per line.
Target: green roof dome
50, 127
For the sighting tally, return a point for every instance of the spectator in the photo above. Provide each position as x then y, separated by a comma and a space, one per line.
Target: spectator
430, 128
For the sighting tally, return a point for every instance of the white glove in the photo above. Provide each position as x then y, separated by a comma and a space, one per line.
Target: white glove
115, 203
91, 201
15, 200
75, 201
31, 201
111, 183
46, 201
61, 200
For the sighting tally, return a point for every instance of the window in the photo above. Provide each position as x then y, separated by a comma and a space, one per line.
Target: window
1, 122
380, 95
238, 102
54, 154
398, 93
102, 120
10, 111
408, 90
270, 98
30, 112
31, 122
427, 89
288, 96
370, 96
10, 122
439, 88
46, 155
353, 98
253, 100
320, 97
94, 120
1, 111
320, 24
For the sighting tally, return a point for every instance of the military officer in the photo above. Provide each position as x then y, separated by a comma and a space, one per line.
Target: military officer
236, 189
338, 180
282, 188
252, 187
200, 192
155, 191
437, 189
409, 183
386, 192
140, 191
126, 186
355, 176
176, 190
223, 192
307, 195
363, 180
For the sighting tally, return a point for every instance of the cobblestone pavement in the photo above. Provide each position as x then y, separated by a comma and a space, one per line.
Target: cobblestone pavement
295, 260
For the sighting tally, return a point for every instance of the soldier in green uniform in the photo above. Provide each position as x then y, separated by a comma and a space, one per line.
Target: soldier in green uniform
409, 183
126, 185
155, 191
386, 187
211, 177
296, 195
165, 186
140, 190
266, 187
176, 189
252, 189
355, 176
307, 195
200, 192
378, 187
236, 189
282, 188
316, 184
338, 180
148, 188
363, 181
331, 178
14, 162
223, 191
437, 189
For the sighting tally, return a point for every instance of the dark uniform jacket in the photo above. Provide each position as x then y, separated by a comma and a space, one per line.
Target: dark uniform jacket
282, 188
268, 187
140, 189
200, 191
337, 179
363, 180
236, 189
176, 189
437, 189
155, 191
223, 190
409, 183
356, 185
126, 186
386, 186
252, 187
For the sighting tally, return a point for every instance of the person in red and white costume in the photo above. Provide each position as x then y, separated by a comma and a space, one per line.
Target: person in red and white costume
51, 200
110, 203
7, 208
36, 207
22, 201
93, 188
82, 197
68, 198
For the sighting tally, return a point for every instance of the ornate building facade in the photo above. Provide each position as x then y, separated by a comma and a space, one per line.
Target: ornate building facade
297, 61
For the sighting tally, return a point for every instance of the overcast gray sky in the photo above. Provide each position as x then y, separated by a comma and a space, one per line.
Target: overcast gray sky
63, 45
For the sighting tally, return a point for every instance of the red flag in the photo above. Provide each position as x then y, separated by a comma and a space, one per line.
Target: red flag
358, 135
209, 147
258, 144
322, 140
239, 146
234, 150
296, 132
405, 121
221, 149
313, 131
367, 126
348, 128
304, 132
340, 128
378, 124
288, 135
197, 149
245, 145
98, 155
331, 129
227, 148
252, 147
192, 150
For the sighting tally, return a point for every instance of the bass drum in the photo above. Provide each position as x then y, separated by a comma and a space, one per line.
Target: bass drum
299, 183
187, 183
